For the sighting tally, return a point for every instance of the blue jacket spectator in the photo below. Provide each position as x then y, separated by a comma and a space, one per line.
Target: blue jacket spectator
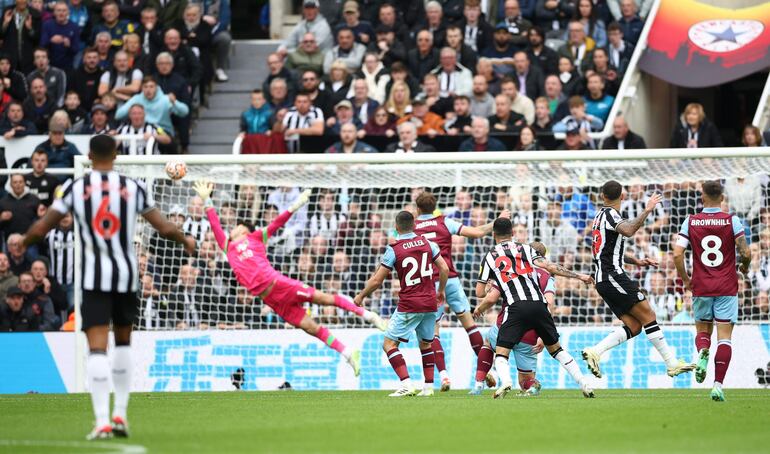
61, 153
158, 107
349, 143
61, 37
256, 119
14, 124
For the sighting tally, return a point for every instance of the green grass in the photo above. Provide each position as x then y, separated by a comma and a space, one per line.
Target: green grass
557, 421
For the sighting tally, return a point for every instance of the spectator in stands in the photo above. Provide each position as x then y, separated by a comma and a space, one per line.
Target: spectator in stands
18, 208
527, 140
282, 198
431, 94
459, 122
185, 61
55, 79
302, 119
619, 50
485, 69
466, 56
554, 97
256, 119
586, 123
185, 300
427, 123
407, 135
519, 103
476, 30
48, 287
20, 33
61, 37
560, 236
327, 220
480, 139
424, 57
172, 83
572, 84
505, 120
322, 99
158, 106
61, 153
13, 81
348, 142
387, 46
629, 20
103, 46
434, 22
694, 130
594, 27
307, 57
601, 65
77, 115
363, 105
137, 124
113, 24
7, 278
280, 101
574, 139
379, 124
338, 82
362, 30
14, 125
41, 183
217, 14
100, 121
16, 316
482, 102
17, 253
462, 209
388, 16
622, 137
642, 6
530, 78
500, 52
375, 77
343, 114
543, 122
312, 22
751, 136
38, 107
517, 25
540, 55
598, 103
399, 73
85, 79
454, 78
150, 32
347, 50
196, 34
121, 80
399, 102
578, 47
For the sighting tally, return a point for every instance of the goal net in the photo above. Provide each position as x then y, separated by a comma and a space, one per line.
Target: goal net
337, 240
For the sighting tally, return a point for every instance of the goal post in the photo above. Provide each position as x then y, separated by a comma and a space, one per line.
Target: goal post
335, 243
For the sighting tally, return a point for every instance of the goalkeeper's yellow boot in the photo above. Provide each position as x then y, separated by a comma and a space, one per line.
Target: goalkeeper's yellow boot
680, 368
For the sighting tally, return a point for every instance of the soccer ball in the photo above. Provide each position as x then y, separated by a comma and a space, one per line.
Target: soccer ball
176, 170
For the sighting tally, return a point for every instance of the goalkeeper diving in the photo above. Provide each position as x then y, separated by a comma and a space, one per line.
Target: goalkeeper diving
246, 250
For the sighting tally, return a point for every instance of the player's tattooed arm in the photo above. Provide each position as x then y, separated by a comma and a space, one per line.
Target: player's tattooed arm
628, 228
744, 253
559, 270
487, 302
483, 230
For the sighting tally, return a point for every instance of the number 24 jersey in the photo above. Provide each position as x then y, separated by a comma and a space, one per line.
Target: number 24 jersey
412, 257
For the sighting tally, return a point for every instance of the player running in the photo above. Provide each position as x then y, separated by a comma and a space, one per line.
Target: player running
622, 294
105, 205
525, 353
713, 236
411, 255
510, 267
439, 230
246, 250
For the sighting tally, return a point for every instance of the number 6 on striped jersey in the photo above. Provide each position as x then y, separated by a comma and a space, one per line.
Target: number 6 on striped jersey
105, 223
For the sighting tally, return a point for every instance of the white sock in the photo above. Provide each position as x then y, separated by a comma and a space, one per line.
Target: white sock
615, 338
406, 383
368, 315
568, 363
347, 353
442, 374
427, 386
479, 384
121, 379
655, 335
98, 369
501, 364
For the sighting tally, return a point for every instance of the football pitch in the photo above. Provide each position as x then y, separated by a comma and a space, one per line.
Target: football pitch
291, 421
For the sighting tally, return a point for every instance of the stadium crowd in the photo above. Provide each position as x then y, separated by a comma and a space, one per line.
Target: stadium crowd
376, 76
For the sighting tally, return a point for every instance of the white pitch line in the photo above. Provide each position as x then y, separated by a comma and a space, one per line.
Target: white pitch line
103, 447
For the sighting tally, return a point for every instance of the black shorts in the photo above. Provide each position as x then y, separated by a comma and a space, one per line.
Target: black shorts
523, 316
620, 293
101, 308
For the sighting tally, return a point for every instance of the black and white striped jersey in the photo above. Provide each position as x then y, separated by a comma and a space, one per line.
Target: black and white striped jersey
294, 120
124, 146
510, 267
61, 252
105, 206
196, 228
608, 246
630, 209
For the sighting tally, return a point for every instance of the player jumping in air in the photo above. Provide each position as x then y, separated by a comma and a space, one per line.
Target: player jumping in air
510, 268
412, 256
525, 352
439, 230
246, 250
713, 236
621, 294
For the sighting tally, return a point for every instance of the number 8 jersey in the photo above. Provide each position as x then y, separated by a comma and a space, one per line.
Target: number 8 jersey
711, 234
412, 257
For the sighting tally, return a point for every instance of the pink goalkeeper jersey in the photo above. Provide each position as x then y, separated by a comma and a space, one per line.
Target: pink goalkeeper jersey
248, 256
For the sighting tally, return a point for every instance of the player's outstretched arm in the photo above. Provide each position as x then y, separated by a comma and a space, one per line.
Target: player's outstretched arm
744, 253
559, 270
629, 228
283, 218
482, 230
645, 262
38, 230
204, 188
169, 230
372, 284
